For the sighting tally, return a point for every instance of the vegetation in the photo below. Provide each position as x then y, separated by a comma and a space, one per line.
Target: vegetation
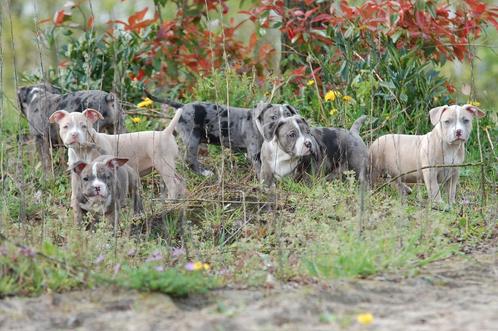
335, 67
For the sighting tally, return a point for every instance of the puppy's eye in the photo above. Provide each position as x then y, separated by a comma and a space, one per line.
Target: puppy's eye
83, 126
65, 127
447, 122
292, 134
465, 120
274, 117
85, 179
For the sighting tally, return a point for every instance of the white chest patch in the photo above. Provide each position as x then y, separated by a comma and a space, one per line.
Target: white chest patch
96, 205
282, 164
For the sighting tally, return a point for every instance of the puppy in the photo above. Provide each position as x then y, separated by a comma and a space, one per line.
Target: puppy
26, 93
145, 150
397, 154
103, 185
37, 103
236, 128
326, 150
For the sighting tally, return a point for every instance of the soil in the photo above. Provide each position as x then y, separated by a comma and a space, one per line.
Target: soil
460, 293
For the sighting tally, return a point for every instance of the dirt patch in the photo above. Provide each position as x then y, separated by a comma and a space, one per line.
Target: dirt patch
457, 294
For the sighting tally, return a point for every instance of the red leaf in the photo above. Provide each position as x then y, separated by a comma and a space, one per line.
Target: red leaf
299, 71
59, 17
89, 24
253, 40
138, 16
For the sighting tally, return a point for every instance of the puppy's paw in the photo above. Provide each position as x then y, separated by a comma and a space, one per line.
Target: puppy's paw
404, 189
207, 173
441, 206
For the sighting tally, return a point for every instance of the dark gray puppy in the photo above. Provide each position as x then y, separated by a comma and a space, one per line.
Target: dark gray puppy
38, 103
103, 186
240, 129
328, 151
342, 150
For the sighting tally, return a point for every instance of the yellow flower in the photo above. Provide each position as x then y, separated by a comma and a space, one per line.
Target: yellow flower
388, 117
347, 98
136, 120
146, 103
206, 266
475, 103
310, 82
365, 318
333, 111
197, 266
331, 95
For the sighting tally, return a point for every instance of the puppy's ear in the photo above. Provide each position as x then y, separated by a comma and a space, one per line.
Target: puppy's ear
21, 97
57, 116
116, 162
78, 167
293, 110
92, 115
260, 109
474, 110
273, 128
436, 113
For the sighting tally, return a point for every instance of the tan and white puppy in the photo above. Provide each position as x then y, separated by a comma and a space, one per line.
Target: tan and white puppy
145, 150
396, 154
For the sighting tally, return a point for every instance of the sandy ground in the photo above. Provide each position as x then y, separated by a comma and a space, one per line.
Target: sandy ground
460, 293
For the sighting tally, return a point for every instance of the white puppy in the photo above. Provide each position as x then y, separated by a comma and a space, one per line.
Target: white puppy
396, 154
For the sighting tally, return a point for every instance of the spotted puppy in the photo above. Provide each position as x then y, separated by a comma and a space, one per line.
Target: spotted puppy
37, 103
240, 129
411, 156
326, 150
104, 185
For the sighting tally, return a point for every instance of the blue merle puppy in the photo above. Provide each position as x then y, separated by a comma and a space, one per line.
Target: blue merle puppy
240, 129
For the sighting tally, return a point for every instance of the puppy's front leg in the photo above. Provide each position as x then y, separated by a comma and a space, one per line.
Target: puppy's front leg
433, 189
43, 147
266, 175
253, 152
452, 185
77, 212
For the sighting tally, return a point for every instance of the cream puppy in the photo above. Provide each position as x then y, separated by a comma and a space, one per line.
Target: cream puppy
144, 150
396, 154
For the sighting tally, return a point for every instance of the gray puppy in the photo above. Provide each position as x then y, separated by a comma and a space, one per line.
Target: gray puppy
240, 129
329, 151
38, 103
104, 184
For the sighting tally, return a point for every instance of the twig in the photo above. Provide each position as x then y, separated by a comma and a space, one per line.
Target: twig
427, 167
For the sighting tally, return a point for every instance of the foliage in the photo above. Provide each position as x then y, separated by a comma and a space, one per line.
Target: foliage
172, 281
170, 53
26, 272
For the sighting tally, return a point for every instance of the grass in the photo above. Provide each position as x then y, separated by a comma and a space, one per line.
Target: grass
295, 232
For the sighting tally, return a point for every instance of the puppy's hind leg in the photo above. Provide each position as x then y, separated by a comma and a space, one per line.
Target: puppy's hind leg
174, 183
193, 141
43, 147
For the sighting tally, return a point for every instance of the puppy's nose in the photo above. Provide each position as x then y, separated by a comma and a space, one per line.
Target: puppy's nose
97, 189
459, 133
307, 143
74, 134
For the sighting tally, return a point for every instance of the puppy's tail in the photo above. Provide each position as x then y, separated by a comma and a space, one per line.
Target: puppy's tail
171, 103
174, 121
355, 128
